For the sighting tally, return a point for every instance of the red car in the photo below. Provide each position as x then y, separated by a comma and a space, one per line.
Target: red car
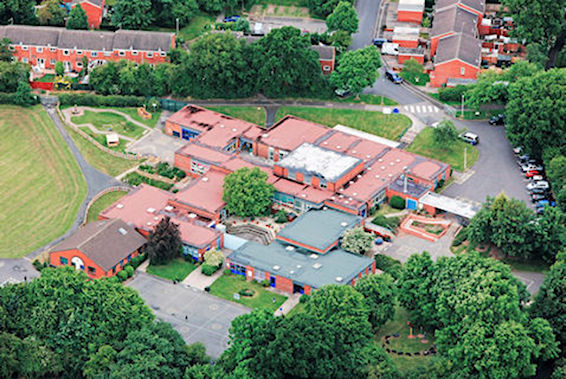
530, 174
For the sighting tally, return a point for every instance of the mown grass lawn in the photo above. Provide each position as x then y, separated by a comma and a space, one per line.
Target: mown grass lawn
251, 114
369, 99
177, 269
133, 113
105, 121
388, 126
41, 184
453, 155
104, 162
102, 203
101, 139
227, 285
197, 26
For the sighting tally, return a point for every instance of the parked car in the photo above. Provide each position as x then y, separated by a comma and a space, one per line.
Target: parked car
380, 41
517, 150
543, 203
232, 18
532, 167
537, 178
530, 174
497, 120
537, 197
394, 77
523, 159
470, 138
539, 191
542, 184
341, 92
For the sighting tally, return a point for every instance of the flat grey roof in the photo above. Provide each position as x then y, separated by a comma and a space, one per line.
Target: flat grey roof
318, 161
413, 189
319, 228
450, 205
304, 268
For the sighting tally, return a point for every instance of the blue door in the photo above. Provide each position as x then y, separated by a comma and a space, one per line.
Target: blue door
272, 281
411, 204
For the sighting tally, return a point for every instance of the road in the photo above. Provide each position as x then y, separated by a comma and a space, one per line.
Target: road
367, 14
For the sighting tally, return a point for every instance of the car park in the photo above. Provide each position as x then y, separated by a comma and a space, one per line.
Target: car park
532, 167
523, 159
394, 77
497, 120
538, 191
537, 178
542, 184
470, 138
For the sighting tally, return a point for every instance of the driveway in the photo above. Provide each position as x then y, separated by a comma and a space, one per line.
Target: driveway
196, 315
496, 169
158, 144
16, 270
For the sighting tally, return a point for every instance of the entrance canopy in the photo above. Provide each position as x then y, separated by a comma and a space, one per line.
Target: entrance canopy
460, 208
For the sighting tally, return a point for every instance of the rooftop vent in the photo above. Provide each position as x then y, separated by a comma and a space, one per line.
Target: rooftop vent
354, 151
325, 143
149, 224
151, 210
404, 167
390, 175
383, 167
303, 195
380, 160
324, 208
359, 176
155, 218
265, 135
339, 279
313, 256
192, 215
346, 202
368, 156
299, 266
120, 206
397, 160
221, 125
369, 168
205, 179
123, 231
333, 197
169, 208
350, 199
377, 176
316, 266
355, 194
392, 163
344, 224
234, 129
276, 268
289, 248
338, 146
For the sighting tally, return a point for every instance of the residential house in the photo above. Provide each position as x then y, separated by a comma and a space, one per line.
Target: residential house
410, 11
94, 10
457, 61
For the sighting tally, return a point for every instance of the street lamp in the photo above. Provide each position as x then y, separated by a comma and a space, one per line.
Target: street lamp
462, 112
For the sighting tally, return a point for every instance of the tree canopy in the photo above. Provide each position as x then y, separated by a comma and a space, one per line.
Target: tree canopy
247, 193
323, 8
18, 12
5, 53
132, 14
51, 13
356, 240
77, 18
445, 134
11, 74
167, 11
380, 293
343, 17
356, 70
164, 242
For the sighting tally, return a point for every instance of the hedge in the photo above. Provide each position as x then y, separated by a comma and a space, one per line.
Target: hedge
460, 237
89, 99
129, 270
137, 261
208, 270
11, 98
122, 275
389, 265
452, 93
135, 179
390, 223
397, 202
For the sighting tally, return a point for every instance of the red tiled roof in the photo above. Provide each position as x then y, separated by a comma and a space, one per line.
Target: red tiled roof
425, 169
367, 150
195, 235
204, 153
139, 208
204, 193
339, 141
314, 195
291, 132
288, 187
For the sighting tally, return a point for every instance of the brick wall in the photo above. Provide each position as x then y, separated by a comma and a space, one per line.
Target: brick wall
452, 69
408, 16
284, 284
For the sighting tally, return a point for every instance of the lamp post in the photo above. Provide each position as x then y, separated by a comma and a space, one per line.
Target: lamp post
177, 25
462, 112
465, 158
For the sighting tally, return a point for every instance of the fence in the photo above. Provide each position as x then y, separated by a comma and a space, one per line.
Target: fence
41, 85
129, 156
100, 194
172, 105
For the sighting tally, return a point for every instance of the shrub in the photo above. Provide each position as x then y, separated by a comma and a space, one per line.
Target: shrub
137, 261
387, 222
265, 283
207, 289
98, 100
389, 265
440, 183
122, 275
39, 266
452, 93
397, 202
303, 299
460, 237
208, 270
281, 217
129, 270
246, 292
12, 98
135, 179
227, 272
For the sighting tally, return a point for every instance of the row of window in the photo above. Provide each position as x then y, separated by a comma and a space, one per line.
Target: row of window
91, 270
93, 54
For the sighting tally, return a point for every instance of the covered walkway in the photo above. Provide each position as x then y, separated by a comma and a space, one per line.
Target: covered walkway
460, 208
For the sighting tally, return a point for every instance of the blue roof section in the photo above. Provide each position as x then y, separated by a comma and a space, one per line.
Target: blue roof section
304, 268
319, 229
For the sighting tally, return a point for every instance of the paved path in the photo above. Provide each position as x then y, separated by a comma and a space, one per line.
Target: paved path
96, 180
198, 280
16, 270
289, 304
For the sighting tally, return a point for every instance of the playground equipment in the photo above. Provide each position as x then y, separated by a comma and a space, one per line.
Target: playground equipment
144, 114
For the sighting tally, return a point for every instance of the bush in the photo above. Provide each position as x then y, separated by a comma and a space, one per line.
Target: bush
460, 237
246, 292
208, 270
452, 93
207, 289
303, 299
12, 98
281, 217
135, 179
391, 223
137, 261
39, 266
440, 183
227, 272
265, 283
89, 99
122, 275
389, 265
397, 202
129, 270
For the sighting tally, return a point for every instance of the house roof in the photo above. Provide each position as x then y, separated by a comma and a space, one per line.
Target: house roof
98, 3
320, 162
87, 40
459, 46
324, 52
403, 33
314, 270
193, 234
411, 5
204, 193
204, 153
319, 229
477, 5
454, 20
105, 242
291, 132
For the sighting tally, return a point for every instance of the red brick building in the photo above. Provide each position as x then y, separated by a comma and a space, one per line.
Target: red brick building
326, 57
450, 21
410, 11
42, 47
100, 248
94, 10
458, 60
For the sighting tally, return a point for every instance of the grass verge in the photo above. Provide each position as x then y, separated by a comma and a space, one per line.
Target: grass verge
387, 126
41, 183
102, 203
177, 269
368, 99
227, 285
424, 145
251, 114
196, 26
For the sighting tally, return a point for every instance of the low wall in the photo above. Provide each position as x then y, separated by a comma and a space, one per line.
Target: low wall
42, 85
102, 193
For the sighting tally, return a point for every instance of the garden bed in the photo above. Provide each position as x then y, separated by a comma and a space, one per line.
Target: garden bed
135, 179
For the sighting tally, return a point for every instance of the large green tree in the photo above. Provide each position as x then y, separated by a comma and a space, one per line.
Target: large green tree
51, 13
164, 242
11, 74
379, 292
247, 193
323, 8
5, 53
445, 134
288, 67
356, 70
18, 12
132, 14
168, 11
344, 17
357, 241
536, 111
77, 18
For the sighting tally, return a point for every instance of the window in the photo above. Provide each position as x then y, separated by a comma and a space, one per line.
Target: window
79, 52
79, 64
198, 168
134, 52
24, 47
12, 48
53, 49
292, 175
63, 260
91, 270
129, 258
65, 52
150, 55
39, 49
94, 54
25, 60
282, 154
463, 71
323, 184
121, 53
52, 62
107, 53
326, 68
163, 54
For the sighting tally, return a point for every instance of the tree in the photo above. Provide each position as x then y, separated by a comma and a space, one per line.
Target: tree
344, 17
213, 257
445, 134
288, 65
538, 100
550, 235
247, 193
490, 88
77, 19
357, 241
541, 22
550, 302
18, 12
164, 242
100, 364
12, 74
166, 12
132, 14
211, 6
105, 79
341, 40
356, 70
59, 68
51, 13
380, 293
23, 94
5, 53
323, 8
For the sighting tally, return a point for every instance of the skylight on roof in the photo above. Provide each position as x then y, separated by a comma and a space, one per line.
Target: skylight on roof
150, 210
123, 231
